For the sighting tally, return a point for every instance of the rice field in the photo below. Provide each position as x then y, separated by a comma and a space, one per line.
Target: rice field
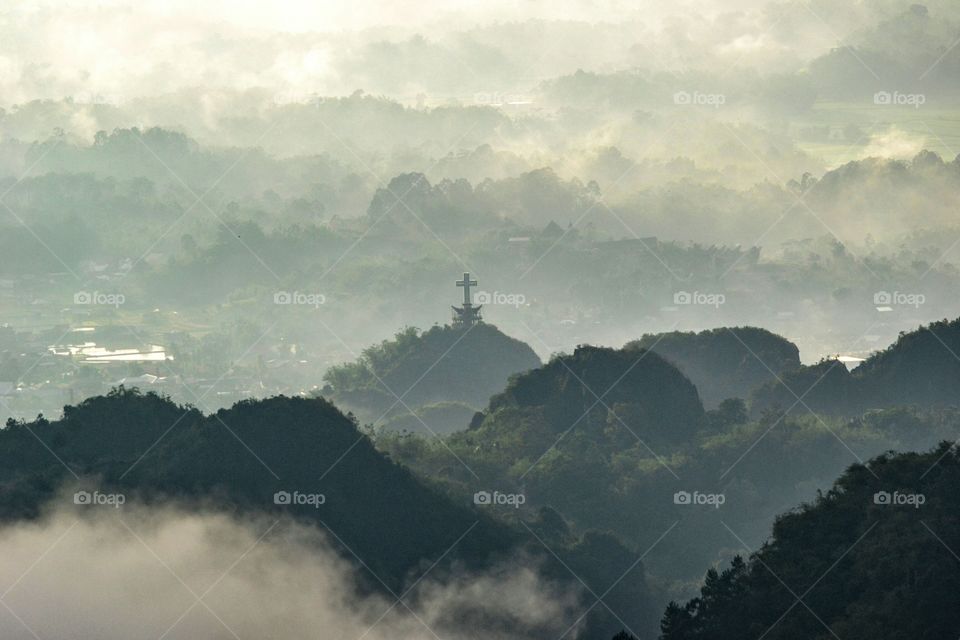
839, 132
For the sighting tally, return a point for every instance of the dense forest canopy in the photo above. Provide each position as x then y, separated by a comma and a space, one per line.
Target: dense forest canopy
878, 543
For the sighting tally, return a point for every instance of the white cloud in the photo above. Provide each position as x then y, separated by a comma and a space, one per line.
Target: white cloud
115, 574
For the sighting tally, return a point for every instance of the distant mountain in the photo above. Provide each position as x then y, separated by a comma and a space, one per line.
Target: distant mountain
874, 558
439, 418
441, 365
826, 387
921, 368
910, 50
727, 362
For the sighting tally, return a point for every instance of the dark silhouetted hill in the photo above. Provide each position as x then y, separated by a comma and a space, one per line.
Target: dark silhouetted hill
375, 511
874, 558
590, 434
239, 458
442, 364
578, 391
921, 368
727, 362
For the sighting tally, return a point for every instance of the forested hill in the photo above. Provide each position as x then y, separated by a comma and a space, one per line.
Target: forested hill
875, 558
657, 399
383, 519
726, 362
441, 365
921, 368
241, 457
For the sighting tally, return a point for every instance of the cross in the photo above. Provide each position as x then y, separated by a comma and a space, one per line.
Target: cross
466, 283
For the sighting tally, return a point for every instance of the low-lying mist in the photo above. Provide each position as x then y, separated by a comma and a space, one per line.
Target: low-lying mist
100, 572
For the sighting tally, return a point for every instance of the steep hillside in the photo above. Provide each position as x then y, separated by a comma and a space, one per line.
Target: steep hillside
727, 362
442, 364
874, 558
243, 456
593, 434
383, 519
590, 392
921, 368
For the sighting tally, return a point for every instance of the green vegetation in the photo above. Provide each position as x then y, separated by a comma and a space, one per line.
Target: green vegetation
849, 564
616, 464
921, 368
375, 512
415, 369
727, 362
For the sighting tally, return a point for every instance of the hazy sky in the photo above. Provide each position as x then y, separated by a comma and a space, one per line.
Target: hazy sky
309, 15
117, 49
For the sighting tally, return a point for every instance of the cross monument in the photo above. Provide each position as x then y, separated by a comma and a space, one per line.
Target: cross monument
467, 315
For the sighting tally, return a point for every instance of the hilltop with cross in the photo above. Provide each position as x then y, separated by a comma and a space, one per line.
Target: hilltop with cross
433, 380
